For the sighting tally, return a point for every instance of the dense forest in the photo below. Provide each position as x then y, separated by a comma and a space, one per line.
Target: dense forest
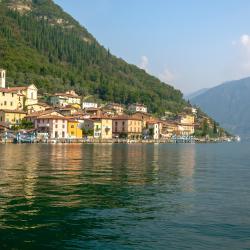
43, 45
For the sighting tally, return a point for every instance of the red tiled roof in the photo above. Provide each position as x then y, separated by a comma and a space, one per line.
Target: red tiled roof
39, 113
52, 117
13, 111
126, 117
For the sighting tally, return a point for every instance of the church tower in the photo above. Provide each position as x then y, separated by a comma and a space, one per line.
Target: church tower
2, 78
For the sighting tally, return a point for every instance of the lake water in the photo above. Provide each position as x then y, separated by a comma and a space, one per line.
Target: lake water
125, 196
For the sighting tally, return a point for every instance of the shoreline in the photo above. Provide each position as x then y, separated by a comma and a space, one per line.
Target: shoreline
118, 141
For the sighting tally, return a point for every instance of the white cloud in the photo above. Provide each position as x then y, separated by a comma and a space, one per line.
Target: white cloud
144, 63
245, 40
242, 62
166, 76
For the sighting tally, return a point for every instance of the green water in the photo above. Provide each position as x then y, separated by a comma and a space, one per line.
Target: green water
125, 196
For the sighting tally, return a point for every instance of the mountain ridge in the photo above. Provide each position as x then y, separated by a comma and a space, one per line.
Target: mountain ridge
228, 103
42, 44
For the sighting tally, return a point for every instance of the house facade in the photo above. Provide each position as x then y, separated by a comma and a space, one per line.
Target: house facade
137, 107
65, 99
74, 130
127, 127
118, 108
101, 127
54, 125
12, 117
86, 105
11, 99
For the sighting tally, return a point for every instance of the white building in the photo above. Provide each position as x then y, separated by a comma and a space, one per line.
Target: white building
2, 78
154, 127
137, 107
51, 123
65, 99
86, 105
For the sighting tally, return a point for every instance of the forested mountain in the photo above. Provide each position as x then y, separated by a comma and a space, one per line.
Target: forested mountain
41, 44
229, 104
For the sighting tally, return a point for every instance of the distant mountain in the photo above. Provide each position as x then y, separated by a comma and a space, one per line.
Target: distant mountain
41, 44
229, 104
196, 93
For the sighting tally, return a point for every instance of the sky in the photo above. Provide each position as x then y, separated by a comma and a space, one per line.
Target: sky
190, 44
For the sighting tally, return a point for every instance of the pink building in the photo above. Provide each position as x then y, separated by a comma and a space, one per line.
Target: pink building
53, 124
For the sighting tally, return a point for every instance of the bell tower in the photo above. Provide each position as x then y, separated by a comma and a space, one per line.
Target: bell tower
2, 78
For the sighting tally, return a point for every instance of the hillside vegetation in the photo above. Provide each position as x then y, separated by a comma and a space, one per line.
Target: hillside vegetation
41, 44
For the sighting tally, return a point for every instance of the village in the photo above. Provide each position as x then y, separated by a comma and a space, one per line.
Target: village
68, 117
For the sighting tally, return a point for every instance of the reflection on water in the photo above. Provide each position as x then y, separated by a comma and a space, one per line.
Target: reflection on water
105, 196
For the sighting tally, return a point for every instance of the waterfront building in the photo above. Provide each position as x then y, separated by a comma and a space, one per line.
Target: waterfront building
12, 117
186, 124
125, 126
169, 128
74, 129
65, 99
153, 128
101, 127
51, 123
145, 117
137, 107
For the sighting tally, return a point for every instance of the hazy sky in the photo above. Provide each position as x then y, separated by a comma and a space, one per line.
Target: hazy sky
191, 44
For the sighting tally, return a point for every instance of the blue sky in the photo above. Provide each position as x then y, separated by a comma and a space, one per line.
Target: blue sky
190, 44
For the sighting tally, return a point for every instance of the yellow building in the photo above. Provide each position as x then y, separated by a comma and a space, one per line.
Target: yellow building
127, 127
186, 124
11, 117
29, 92
101, 127
74, 130
11, 99
37, 107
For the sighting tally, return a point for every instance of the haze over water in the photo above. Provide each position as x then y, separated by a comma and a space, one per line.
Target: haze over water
125, 196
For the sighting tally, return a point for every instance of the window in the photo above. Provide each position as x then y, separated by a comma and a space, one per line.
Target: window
11, 103
5, 103
56, 126
3, 94
63, 134
12, 94
72, 126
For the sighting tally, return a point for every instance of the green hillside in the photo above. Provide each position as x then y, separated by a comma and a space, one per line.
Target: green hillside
41, 44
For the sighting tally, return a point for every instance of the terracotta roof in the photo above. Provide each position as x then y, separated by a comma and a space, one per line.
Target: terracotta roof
39, 113
19, 88
13, 111
125, 117
8, 90
98, 117
52, 117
